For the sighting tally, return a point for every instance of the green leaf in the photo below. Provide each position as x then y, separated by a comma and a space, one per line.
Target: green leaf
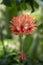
36, 5
7, 2
32, 50
27, 43
40, 2
10, 12
40, 26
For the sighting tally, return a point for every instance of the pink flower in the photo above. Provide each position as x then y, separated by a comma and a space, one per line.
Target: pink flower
23, 24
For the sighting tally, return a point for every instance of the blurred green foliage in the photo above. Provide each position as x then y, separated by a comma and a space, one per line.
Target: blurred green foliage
10, 43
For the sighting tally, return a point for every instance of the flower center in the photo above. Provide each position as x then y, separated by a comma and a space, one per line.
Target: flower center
26, 26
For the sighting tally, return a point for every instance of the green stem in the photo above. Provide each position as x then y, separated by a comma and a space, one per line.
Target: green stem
21, 42
21, 46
